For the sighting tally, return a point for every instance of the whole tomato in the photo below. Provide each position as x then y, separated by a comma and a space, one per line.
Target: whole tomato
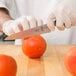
8, 66
70, 60
34, 47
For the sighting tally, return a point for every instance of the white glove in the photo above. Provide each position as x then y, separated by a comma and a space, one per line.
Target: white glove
64, 13
20, 24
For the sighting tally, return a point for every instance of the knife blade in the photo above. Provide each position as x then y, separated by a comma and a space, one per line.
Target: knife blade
28, 33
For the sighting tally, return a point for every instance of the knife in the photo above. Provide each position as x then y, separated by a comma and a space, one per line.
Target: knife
28, 33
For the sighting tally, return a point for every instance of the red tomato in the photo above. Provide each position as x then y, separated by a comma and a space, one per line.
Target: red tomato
8, 66
70, 60
34, 47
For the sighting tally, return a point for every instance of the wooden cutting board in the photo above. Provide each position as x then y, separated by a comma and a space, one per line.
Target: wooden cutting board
51, 64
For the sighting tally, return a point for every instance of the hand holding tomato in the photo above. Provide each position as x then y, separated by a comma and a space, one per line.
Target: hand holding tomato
34, 47
70, 60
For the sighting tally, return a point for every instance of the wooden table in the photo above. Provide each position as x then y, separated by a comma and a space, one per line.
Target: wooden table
51, 64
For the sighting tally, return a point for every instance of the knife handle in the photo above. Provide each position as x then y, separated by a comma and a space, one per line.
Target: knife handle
41, 29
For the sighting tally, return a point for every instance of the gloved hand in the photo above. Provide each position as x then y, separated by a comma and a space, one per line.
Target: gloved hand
20, 24
63, 14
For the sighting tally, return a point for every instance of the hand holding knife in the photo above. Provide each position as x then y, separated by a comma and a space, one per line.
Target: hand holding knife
30, 32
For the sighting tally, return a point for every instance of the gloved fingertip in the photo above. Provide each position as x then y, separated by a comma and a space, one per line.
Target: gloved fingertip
61, 28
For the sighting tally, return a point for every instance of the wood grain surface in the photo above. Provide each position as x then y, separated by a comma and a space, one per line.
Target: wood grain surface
51, 64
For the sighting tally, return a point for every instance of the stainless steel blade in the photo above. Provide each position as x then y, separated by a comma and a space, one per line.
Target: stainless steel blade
28, 33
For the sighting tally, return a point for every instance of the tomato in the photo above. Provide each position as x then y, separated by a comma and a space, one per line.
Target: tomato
34, 47
70, 60
8, 66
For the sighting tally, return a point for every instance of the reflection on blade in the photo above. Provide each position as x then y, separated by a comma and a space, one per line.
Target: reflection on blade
28, 33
